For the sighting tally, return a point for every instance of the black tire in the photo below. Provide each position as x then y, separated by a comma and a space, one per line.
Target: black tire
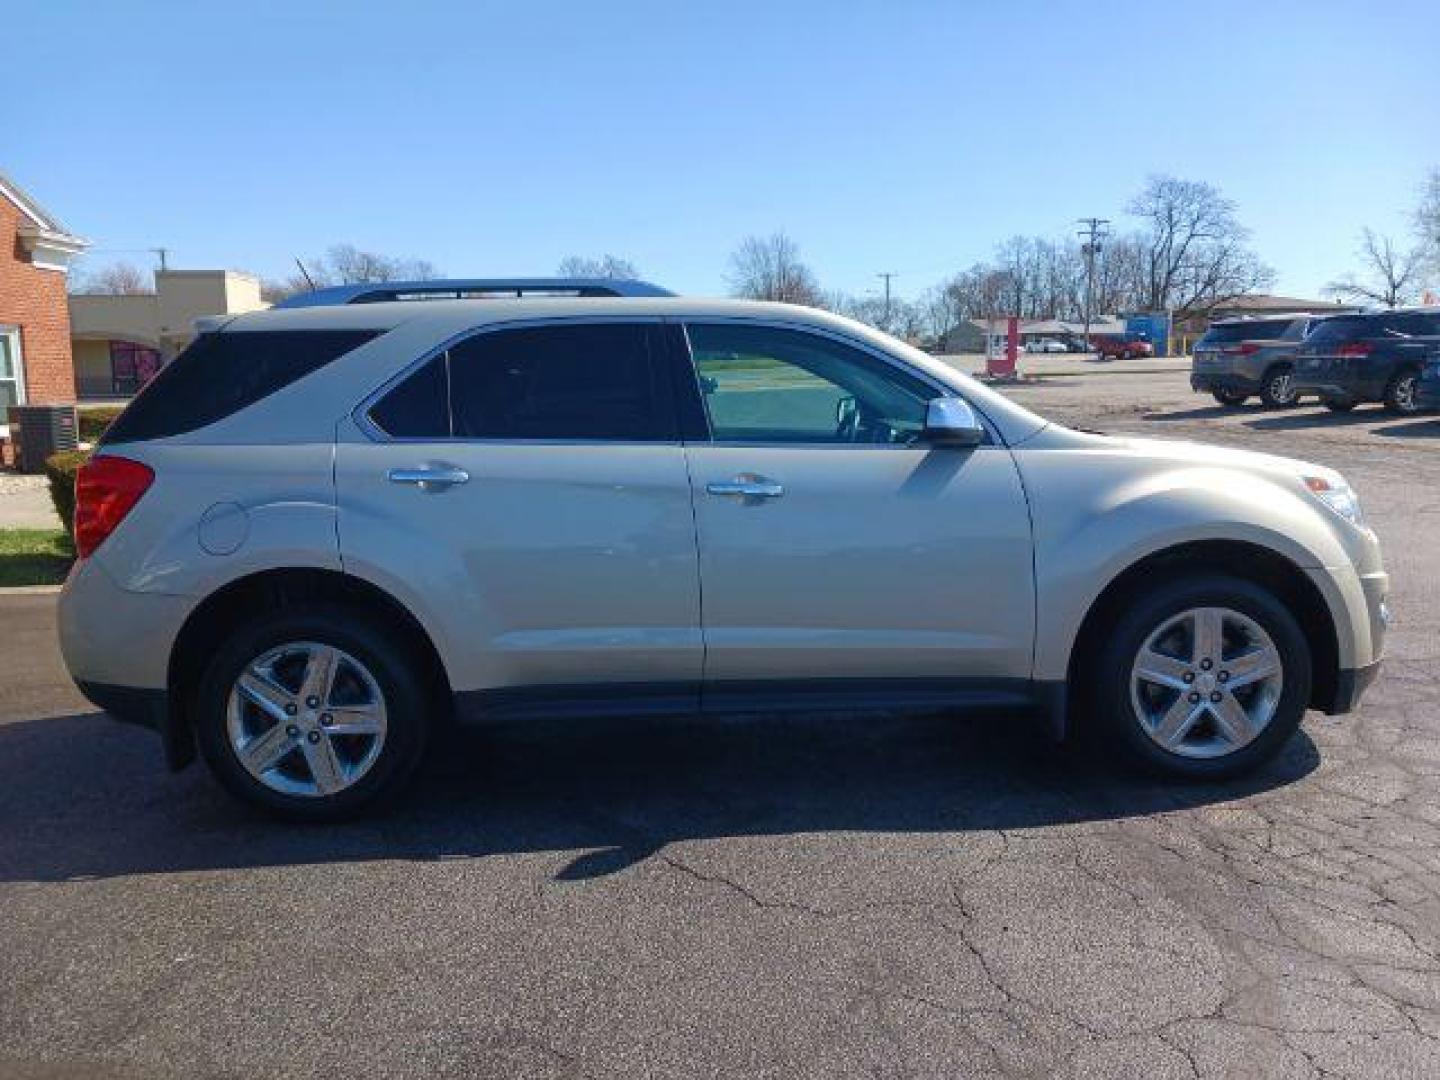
1118, 721
1340, 405
395, 668
1276, 389
1230, 398
1400, 393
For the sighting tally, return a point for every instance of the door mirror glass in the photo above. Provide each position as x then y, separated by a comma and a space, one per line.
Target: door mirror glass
950, 421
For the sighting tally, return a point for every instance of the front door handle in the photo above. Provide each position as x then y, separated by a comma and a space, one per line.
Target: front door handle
431, 478
747, 486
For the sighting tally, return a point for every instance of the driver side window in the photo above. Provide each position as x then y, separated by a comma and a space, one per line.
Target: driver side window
772, 385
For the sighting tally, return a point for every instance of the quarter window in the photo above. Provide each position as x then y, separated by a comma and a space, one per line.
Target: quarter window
769, 384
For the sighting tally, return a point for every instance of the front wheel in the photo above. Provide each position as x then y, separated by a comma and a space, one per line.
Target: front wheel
1204, 677
1277, 390
1229, 398
1400, 394
313, 714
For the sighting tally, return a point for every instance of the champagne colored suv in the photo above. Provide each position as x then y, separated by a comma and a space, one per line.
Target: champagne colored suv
327, 528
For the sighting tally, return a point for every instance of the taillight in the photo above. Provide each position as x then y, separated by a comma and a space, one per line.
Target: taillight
106, 489
1245, 348
1354, 349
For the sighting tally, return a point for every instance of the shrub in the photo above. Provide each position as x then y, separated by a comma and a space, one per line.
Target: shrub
93, 422
61, 469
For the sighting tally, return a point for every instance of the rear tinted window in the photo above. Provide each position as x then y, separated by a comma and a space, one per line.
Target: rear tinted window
220, 374
1416, 323
1342, 329
579, 381
1259, 330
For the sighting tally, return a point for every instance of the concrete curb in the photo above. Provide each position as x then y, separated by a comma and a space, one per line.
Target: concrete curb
29, 590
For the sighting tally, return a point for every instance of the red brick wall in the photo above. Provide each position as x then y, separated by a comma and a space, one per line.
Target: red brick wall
35, 300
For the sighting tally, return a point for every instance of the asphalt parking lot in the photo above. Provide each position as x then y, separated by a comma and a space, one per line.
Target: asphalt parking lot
801, 897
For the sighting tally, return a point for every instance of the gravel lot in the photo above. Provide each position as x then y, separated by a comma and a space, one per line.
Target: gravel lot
806, 897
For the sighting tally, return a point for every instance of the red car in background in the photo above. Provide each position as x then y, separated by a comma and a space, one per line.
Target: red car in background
1121, 346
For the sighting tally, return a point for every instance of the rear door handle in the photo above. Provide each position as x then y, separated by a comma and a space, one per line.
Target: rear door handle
431, 478
747, 486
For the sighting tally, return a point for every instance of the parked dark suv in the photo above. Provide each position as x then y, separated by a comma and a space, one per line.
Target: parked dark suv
1376, 356
1238, 358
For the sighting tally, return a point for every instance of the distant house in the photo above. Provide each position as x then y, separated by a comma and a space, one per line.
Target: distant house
35, 255
1261, 304
119, 342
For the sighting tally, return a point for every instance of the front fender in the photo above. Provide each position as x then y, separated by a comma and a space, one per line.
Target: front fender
1084, 542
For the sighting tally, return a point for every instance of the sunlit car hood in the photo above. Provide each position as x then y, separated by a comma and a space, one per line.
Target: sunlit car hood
1185, 452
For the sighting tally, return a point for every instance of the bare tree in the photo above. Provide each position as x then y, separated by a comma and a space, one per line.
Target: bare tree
769, 268
117, 279
1195, 250
1427, 220
608, 267
345, 264
1390, 277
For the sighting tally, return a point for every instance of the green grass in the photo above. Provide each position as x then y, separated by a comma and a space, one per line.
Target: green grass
34, 557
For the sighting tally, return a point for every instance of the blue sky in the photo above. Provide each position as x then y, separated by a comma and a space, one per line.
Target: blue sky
496, 138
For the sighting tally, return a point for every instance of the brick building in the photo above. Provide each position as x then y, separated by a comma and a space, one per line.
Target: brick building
35, 255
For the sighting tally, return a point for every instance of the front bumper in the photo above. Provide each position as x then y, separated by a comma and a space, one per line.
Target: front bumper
1427, 392
1350, 686
1210, 381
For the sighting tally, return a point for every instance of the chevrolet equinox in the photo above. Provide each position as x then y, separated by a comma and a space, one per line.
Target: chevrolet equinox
326, 527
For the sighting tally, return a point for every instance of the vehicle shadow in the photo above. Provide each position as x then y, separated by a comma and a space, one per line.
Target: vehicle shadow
84, 797
1298, 420
1203, 412
1427, 428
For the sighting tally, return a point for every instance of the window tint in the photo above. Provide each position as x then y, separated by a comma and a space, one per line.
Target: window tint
585, 381
1342, 328
222, 373
765, 384
594, 381
418, 408
1254, 330
1416, 324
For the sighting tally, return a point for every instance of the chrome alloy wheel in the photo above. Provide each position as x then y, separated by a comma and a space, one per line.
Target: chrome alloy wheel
1206, 682
1404, 395
306, 719
1282, 388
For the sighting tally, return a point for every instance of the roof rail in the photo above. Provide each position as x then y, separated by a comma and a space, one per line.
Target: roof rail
469, 289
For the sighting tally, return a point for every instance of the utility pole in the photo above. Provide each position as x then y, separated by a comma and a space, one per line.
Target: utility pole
887, 275
1092, 234
163, 254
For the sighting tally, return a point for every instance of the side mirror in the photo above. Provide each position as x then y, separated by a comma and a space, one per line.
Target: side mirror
950, 421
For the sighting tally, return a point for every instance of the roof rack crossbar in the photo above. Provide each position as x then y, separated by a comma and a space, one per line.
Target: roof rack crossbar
469, 288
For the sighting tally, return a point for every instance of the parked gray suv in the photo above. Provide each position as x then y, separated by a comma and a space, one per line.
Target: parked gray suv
324, 530
1241, 358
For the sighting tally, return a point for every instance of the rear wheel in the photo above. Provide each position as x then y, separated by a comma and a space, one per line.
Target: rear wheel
312, 715
1204, 677
1277, 390
1230, 398
1400, 393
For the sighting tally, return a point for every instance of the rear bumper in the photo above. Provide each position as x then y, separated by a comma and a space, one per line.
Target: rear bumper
150, 709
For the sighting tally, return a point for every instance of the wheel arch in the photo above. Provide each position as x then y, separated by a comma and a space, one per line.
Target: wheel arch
1242, 559
270, 590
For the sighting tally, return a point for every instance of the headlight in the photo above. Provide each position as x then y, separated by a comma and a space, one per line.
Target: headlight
1338, 496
